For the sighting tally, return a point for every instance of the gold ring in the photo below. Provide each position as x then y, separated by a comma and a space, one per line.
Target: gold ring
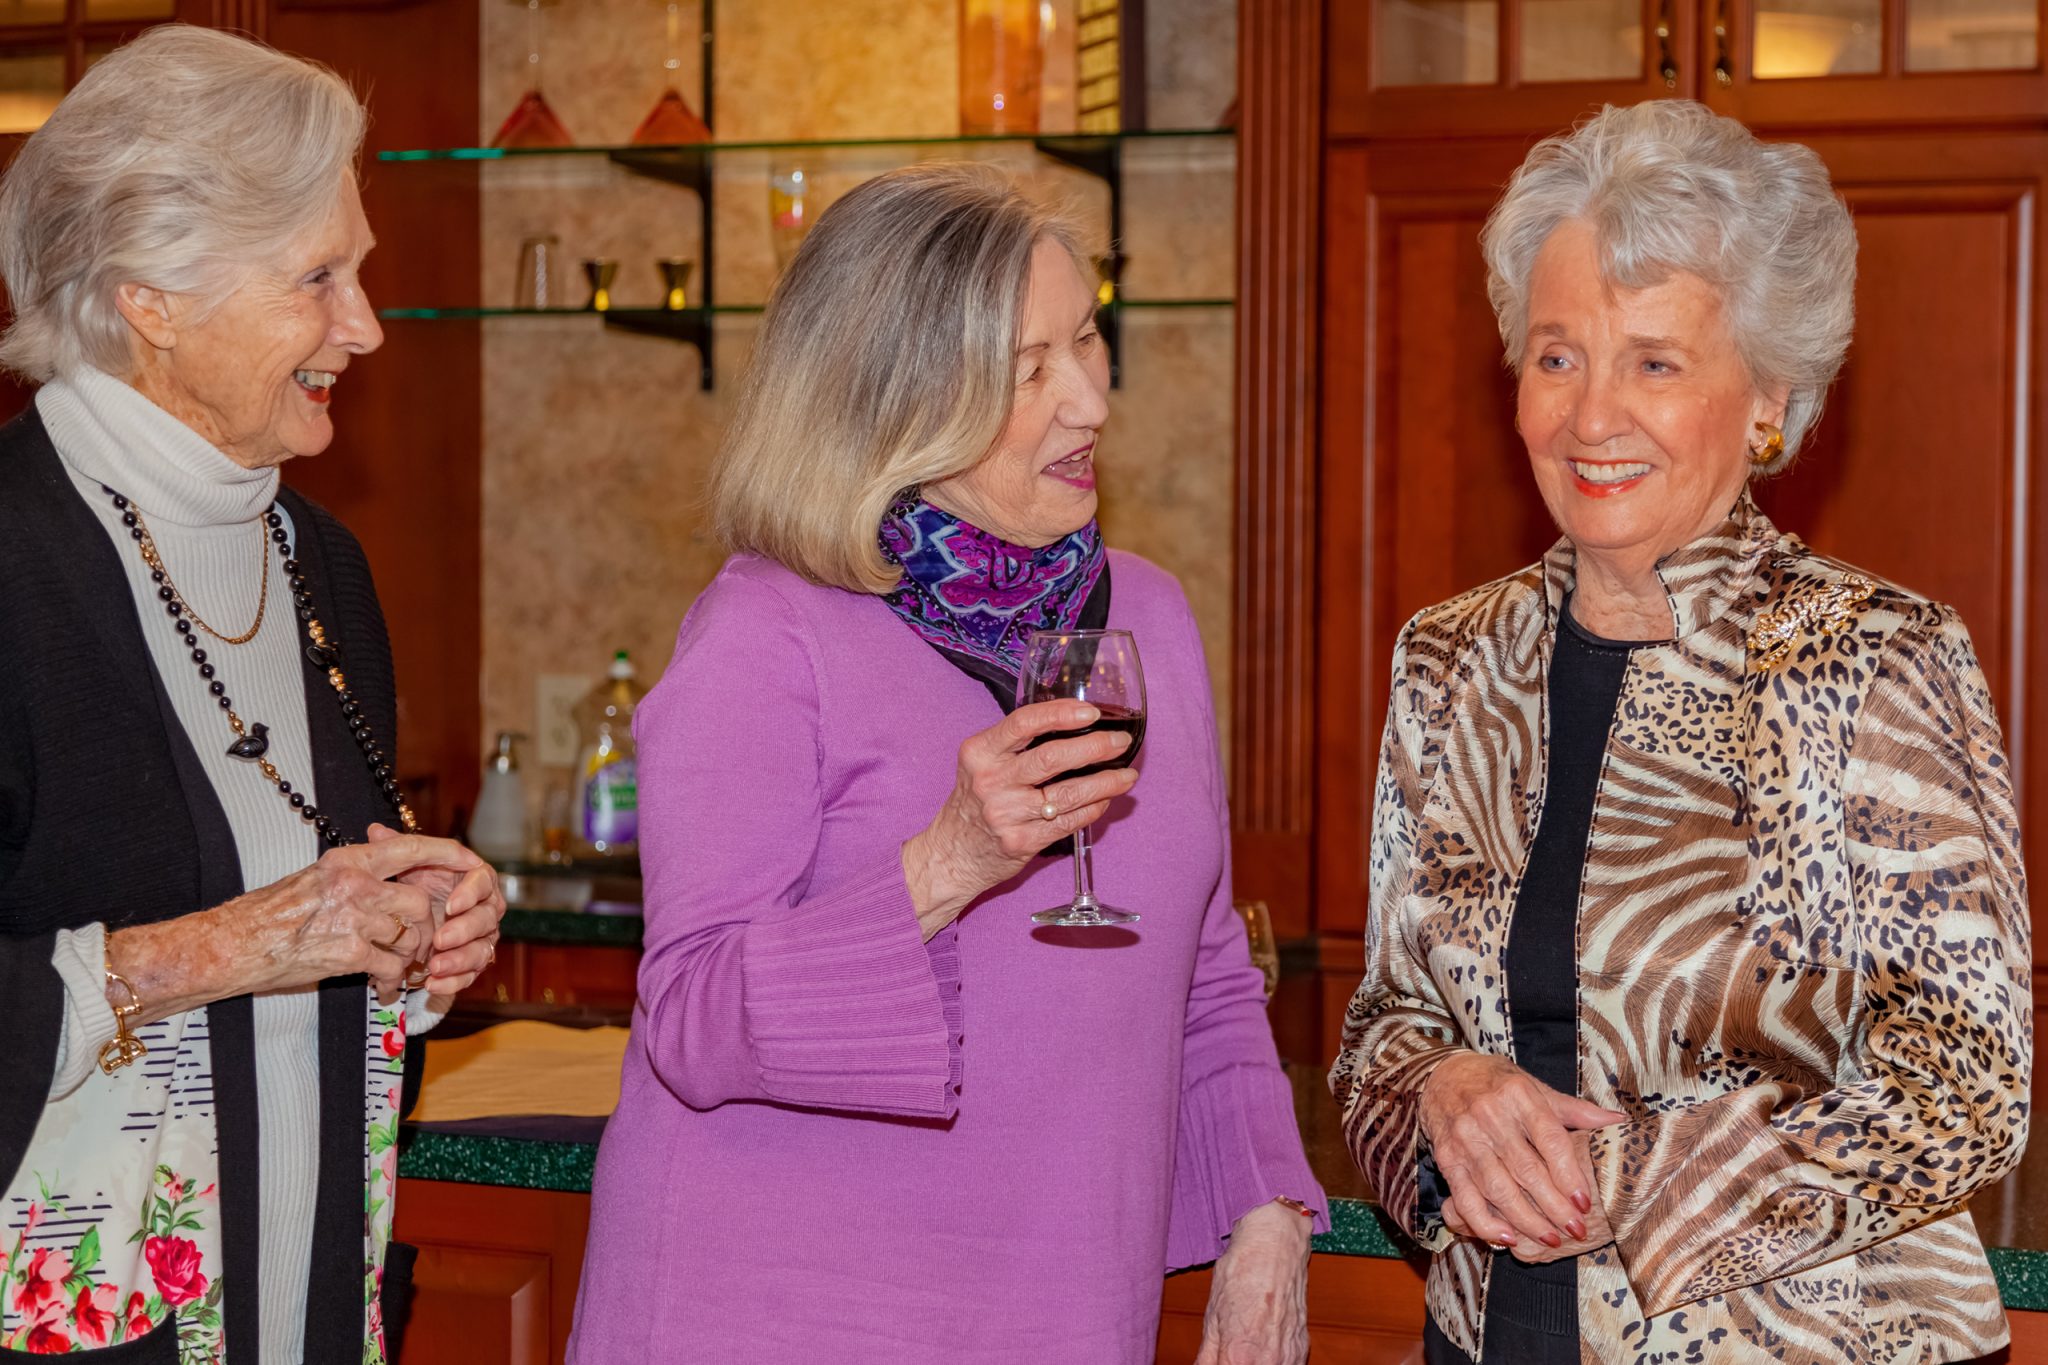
397, 938
1048, 811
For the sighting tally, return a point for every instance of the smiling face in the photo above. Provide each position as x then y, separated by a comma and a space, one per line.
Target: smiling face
256, 376
1635, 405
1037, 484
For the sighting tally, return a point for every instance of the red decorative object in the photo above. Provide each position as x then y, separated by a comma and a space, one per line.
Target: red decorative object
671, 121
532, 124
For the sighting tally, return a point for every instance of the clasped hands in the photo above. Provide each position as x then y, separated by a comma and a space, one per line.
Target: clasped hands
1514, 1154
465, 904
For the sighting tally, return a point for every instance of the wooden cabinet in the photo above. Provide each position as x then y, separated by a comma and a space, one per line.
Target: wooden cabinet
497, 1271
560, 974
499, 1267
1440, 68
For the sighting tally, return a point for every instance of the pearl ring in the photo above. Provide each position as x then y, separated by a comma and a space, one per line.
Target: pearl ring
1048, 811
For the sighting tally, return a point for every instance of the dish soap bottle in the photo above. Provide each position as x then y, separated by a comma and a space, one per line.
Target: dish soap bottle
607, 780
498, 829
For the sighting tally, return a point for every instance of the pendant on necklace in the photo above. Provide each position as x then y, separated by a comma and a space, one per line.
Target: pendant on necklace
253, 745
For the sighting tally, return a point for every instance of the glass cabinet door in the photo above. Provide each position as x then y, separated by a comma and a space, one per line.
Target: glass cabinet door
1877, 60
1445, 66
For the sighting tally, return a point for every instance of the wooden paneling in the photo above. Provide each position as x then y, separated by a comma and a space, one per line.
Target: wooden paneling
1426, 487
1272, 686
403, 472
497, 1272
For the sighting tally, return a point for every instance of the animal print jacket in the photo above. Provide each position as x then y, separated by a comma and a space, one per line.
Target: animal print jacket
1802, 948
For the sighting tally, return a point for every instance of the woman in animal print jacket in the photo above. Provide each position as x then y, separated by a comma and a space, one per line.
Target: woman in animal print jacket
1696, 1000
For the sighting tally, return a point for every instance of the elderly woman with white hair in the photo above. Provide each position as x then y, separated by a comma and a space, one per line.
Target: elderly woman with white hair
1696, 1000
214, 937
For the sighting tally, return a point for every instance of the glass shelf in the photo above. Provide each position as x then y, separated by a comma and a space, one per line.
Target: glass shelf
698, 150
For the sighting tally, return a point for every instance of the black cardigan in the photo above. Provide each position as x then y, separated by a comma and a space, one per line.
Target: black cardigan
106, 815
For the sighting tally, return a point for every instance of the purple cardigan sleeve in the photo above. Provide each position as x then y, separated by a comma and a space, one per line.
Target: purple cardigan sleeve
756, 983
1239, 1145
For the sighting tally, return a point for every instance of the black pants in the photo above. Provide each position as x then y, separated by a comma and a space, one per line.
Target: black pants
1505, 1347
1532, 1317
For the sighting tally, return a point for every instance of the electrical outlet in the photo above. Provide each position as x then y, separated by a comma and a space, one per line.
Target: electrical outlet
554, 699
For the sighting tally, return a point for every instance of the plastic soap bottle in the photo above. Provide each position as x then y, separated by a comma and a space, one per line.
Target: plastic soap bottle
607, 780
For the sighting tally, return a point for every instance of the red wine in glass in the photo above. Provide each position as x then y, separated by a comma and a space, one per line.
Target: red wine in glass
1115, 719
1101, 668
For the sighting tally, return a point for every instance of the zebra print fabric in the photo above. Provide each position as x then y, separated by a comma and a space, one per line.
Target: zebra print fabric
1803, 956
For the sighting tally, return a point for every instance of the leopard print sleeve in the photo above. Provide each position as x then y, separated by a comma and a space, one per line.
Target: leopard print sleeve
1931, 1102
1397, 1028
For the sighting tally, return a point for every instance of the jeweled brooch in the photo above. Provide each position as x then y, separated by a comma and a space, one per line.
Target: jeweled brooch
1822, 609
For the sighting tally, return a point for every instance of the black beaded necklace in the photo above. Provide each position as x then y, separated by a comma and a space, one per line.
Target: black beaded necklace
252, 741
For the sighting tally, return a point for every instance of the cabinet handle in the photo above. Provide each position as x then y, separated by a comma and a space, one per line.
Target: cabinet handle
1666, 67
1724, 73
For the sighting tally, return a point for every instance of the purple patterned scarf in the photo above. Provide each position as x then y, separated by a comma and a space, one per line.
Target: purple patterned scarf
976, 598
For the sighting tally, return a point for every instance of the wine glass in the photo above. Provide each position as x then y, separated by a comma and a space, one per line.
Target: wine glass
1101, 668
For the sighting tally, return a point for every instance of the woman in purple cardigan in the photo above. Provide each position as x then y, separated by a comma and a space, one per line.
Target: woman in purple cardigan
870, 1114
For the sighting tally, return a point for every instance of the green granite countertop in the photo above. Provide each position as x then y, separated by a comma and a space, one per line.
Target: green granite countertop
541, 1153
579, 927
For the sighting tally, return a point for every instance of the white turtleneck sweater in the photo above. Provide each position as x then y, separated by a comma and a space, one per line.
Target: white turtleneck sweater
205, 513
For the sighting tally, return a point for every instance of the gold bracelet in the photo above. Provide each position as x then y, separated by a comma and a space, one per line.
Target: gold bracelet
1296, 1206
124, 1047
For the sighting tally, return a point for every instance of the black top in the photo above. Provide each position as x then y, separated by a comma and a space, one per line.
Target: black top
1541, 962
107, 815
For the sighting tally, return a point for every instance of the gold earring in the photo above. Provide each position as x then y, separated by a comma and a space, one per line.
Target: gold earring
1772, 448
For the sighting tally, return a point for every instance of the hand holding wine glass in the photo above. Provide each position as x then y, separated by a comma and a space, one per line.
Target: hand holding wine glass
994, 822
1101, 668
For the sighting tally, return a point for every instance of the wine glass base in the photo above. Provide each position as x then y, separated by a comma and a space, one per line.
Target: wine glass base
1084, 916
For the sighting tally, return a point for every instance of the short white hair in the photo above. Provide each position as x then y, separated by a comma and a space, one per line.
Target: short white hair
1669, 186
183, 161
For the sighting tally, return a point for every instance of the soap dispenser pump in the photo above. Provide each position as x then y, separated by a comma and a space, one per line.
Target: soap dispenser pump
498, 829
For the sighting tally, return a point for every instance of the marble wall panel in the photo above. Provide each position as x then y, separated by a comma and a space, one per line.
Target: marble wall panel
597, 442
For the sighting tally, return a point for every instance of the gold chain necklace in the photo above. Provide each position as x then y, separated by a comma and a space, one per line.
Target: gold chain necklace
168, 590
252, 741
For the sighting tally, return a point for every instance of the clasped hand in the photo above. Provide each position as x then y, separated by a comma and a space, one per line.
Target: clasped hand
1514, 1153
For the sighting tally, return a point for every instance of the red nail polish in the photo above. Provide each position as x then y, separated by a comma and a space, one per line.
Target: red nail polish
1551, 1239
1507, 1239
1577, 1229
1579, 1198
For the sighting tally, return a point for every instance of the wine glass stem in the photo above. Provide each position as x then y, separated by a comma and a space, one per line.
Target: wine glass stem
1084, 869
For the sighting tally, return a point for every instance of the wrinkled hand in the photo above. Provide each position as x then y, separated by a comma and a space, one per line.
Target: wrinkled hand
467, 905
994, 822
335, 917
1598, 1232
1258, 1297
1505, 1145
